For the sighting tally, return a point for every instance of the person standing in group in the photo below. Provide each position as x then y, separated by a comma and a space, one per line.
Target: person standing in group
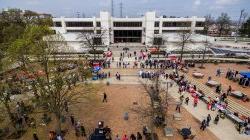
125, 137
208, 119
104, 97
229, 90
35, 137
132, 137
117, 137
139, 136
195, 101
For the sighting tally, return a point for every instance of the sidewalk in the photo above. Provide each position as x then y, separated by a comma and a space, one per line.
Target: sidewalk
225, 130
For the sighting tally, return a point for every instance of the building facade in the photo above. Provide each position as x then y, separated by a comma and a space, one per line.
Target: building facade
128, 30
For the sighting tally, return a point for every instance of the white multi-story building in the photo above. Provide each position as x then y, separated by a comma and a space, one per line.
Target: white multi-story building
132, 30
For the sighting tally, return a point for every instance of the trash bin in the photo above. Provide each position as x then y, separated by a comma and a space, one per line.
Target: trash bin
126, 116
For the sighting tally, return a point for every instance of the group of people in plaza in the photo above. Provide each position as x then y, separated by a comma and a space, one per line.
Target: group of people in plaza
233, 75
219, 103
138, 136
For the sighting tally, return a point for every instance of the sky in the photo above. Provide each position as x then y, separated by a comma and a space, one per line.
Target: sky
132, 8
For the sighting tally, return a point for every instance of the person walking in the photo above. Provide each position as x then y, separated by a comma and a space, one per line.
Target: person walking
178, 107
203, 125
181, 98
104, 97
208, 119
216, 120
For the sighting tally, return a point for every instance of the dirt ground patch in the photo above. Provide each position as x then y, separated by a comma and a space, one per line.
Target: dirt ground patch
121, 99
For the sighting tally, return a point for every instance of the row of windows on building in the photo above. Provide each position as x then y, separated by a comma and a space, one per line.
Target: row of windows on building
77, 24
126, 32
128, 24
84, 31
179, 24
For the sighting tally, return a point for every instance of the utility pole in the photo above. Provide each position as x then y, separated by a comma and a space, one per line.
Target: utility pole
112, 8
121, 7
239, 24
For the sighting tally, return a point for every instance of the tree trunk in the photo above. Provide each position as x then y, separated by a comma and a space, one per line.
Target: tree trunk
11, 116
59, 124
182, 48
203, 57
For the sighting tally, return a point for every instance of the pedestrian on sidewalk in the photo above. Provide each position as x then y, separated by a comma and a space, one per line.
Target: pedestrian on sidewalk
216, 120
195, 101
181, 98
109, 74
203, 125
187, 100
72, 120
178, 107
104, 97
208, 119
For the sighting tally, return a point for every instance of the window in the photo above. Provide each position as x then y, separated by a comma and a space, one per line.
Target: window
98, 24
79, 24
199, 24
156, 31
97, 41
58, 24
98, 31
127, 24
157, 41
157, 24
176, 24
53, 31
79, 31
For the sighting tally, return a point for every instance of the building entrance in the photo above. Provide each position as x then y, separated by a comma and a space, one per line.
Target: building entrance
123, 36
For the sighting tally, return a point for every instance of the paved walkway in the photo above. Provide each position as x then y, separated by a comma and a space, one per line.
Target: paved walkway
225, 130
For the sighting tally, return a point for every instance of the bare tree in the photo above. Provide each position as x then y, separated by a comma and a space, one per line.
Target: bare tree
158, 42
223, 22
92, 40
185, 37
208, 22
